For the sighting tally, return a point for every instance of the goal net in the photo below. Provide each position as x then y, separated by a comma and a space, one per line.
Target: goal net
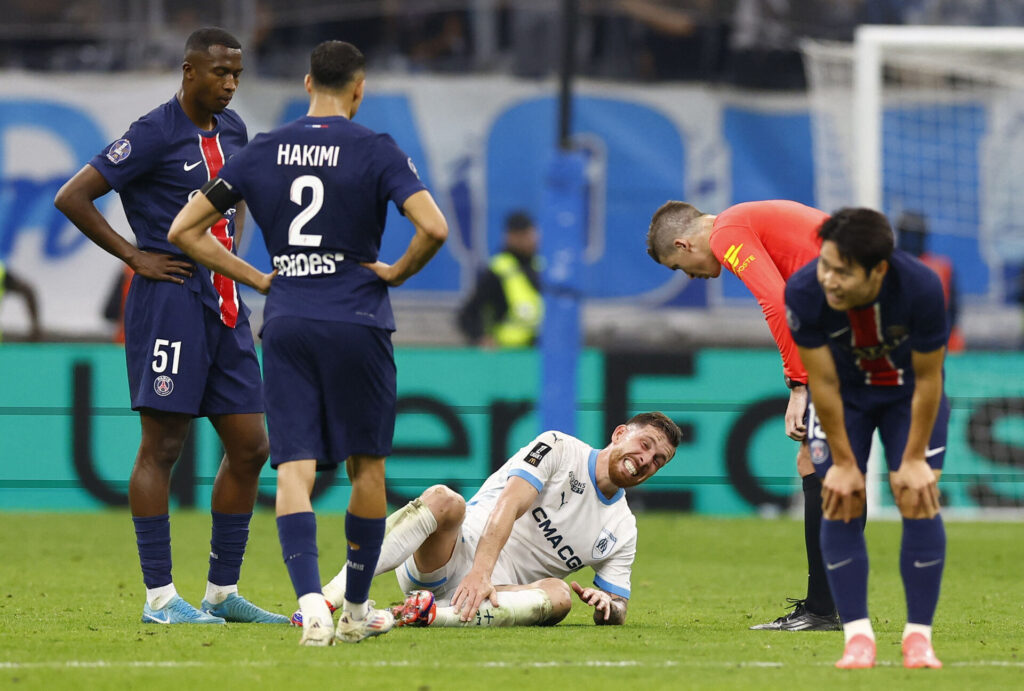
930, 120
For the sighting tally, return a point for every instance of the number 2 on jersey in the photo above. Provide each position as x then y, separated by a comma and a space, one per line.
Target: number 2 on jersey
295, 234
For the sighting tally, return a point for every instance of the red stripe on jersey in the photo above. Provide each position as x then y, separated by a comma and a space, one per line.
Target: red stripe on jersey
213, 157
866, 331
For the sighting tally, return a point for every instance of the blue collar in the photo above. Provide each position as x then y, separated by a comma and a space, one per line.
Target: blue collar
592, 466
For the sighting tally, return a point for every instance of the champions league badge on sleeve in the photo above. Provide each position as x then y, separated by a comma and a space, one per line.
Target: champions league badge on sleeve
163, 385
119, 151
537, 454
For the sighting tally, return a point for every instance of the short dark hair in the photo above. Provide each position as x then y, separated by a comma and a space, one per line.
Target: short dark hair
861, 235
518, 221
672, 220
201, 40
334, 64
661, 422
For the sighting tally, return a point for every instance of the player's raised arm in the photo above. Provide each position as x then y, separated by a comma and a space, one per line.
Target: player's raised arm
843, 486
431, 233
189, 231
76, 198
476, 586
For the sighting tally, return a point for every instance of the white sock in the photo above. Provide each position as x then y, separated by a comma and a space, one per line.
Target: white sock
404, 532
918, 628
313, 606
216, 594
858, 627
518, 608
359, 611
159, 597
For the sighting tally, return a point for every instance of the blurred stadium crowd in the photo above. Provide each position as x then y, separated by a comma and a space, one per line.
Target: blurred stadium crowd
750, 43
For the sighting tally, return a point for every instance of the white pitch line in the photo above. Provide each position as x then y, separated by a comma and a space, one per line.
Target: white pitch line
537, 664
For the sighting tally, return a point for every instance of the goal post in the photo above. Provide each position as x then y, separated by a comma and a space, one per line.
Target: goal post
931, 120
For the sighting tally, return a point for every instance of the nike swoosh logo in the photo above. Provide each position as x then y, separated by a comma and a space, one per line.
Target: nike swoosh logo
839, 565
165, 619
190, 167
837, 334
926, 564
931, 452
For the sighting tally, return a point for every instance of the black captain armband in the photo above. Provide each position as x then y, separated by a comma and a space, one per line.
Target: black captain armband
792, 383
222, 195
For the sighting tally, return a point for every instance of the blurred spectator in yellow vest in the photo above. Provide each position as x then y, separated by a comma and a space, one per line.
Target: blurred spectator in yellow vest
506, 308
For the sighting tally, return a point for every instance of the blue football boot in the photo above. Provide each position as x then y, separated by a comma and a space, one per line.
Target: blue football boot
177, 611
237, 609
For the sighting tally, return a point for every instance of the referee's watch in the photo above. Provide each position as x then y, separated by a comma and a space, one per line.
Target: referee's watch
792, 383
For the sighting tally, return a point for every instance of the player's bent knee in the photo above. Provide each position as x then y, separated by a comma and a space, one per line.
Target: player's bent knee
447, 505
560, 594
853, 505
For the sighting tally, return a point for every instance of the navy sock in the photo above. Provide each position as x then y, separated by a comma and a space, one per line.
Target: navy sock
297, 533
846, 564
153, 536
368, 533
922, 556
227, 546
819, 596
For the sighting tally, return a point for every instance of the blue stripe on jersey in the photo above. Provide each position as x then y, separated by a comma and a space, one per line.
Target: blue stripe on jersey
609, 588
519, 472
592, 466
421, 583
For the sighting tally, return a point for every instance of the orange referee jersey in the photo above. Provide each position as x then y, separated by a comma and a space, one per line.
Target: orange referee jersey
763, 244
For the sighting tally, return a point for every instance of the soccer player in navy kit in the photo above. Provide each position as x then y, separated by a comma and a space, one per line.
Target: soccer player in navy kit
188, 344
319, 189
870, 324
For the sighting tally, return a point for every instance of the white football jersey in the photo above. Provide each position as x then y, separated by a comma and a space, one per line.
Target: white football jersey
570, 524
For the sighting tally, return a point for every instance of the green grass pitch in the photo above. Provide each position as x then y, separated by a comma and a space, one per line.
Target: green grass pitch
71, 597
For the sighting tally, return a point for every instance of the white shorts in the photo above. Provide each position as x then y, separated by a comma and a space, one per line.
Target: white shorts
446, 579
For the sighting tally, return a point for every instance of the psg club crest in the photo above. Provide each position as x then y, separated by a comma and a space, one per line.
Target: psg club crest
163, 385
819, 451
119, 151
605, 541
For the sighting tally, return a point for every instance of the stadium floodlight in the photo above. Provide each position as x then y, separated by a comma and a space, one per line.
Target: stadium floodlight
928, 119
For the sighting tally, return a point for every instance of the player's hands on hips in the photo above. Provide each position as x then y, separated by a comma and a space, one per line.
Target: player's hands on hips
160, 267
472, 591
842, 492
263, 284
386, 272
916, 489
595, 597
795, 428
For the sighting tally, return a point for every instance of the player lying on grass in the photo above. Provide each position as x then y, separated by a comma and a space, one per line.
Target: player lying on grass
556, 506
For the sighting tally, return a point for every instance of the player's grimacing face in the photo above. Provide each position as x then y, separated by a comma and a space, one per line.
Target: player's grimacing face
213, 76
638, 452
846, 283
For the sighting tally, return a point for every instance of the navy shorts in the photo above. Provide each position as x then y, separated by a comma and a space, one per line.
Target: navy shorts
869, 410
330, 390
183, 359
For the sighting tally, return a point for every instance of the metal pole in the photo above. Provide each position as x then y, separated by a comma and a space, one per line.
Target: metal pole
567, 69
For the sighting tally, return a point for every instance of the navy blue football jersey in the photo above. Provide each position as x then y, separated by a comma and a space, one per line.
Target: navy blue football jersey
156, 165
872, 345
319, 189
